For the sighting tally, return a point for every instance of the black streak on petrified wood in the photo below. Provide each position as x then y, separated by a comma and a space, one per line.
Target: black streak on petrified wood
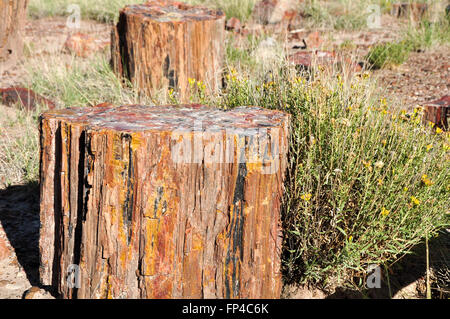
160, 45
163, 202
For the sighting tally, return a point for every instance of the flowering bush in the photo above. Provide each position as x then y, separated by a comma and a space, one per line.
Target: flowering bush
365, 181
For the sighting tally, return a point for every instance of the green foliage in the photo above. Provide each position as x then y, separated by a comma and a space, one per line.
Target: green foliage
19, 150
390, 53
100, 10
364, 182
81, 83
241, 9
417, 37
427, 34
108, 10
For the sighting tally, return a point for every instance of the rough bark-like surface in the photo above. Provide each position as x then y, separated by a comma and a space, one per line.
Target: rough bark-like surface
12, 21
438, 112
163, 202
159, 45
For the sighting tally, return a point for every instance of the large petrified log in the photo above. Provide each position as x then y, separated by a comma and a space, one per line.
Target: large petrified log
12, 21
161, 44
162, 202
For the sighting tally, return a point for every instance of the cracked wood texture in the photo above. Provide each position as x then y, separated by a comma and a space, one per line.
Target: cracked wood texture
162, 202
12, 22
160, 45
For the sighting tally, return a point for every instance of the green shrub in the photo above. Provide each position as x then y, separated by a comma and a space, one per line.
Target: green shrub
364, 183
389, 53
100, 10
428, 34
108, 10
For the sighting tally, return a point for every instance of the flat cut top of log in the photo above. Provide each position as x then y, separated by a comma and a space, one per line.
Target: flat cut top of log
170, 11
246, 120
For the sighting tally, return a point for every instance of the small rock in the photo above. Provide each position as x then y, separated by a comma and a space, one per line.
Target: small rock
6, 250
83, 45
304, 59
27, 98
314, 40
276, 11
285, 10
106, 104
37, 293
233, 24
325, 59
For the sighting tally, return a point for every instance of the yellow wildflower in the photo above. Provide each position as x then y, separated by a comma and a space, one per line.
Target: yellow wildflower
350, 238
429, 147
426, 180
384, 142
405, 189
446, 146
384, 212
366, 164
306, 197
438, 130
380, 182
415, 201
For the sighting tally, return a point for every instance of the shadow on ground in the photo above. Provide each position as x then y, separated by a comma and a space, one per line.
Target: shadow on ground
19, 215
407, 277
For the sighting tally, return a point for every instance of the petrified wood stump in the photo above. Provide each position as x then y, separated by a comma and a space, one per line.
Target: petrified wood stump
438, 112
162, 202
160, 45
12, 21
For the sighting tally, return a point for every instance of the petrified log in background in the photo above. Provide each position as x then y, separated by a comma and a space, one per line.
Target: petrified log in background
412, 10
161, 44
438, 112
163, 202
12, 22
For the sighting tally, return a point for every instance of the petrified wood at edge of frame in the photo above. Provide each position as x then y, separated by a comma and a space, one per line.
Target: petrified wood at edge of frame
12, 22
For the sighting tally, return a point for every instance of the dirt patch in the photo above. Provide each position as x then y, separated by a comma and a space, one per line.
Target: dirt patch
423, 78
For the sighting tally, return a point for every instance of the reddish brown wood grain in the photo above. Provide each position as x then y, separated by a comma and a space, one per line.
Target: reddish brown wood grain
163, 202
160, 45
438, 112
12, 21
